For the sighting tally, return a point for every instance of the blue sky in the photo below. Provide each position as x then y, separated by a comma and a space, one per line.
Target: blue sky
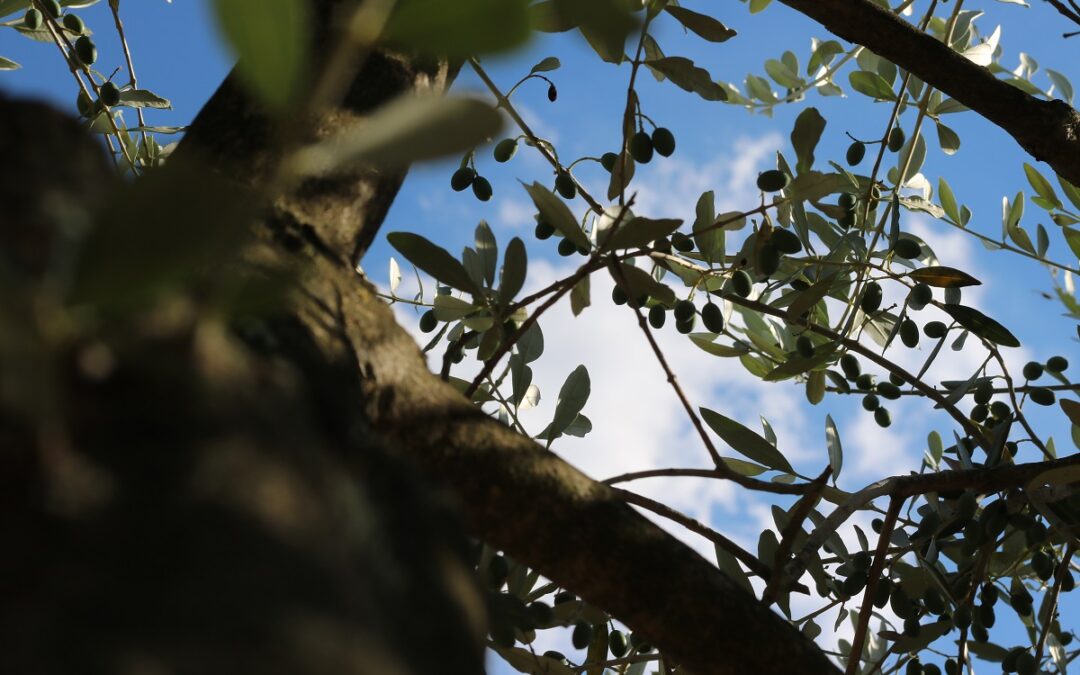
637, 422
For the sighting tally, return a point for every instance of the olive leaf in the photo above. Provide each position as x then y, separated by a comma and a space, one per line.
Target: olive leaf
745, 442
461, 28
686, 75
638, 232
271, 45
515, 264
557, 213
809, 126
405, 130
705, 26
832, 443
944, 277
981, 325
433, 259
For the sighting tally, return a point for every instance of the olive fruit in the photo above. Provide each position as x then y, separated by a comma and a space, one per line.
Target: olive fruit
481, 188
908, 249
871, 297
32, 19
52, 8
1057, 364
86, 50
462, 178
657, 316
850, 365
1026, 664
980, 633
85, 104
847, 201
786, 241
805, 346
497, 571
682, 242
882, 417
913, 667
888, 390
935, 329
566, 248
1041, 395
881, 593
984, 392
912, 628
74, 23
909, 333
663, 141
870, 403
896, 139
617, 643
544, 229
684, 310
109, 94
772, 180
504, 150
741, 283
921, 295
933, 602
608, 159
979, 412
618, 296
846, 220
565, 186
1000, 409
540, 613
855, 153
552, 93
713, 318
428, 321
582, 635
641, 147
951, 668
931, 669
768, 259
865, 381
1033, 370
685, 327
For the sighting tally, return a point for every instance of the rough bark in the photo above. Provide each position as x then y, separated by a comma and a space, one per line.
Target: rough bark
516, 495
173, 500
1047, 130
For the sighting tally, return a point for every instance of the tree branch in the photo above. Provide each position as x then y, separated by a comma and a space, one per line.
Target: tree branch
1047, 130
369, 374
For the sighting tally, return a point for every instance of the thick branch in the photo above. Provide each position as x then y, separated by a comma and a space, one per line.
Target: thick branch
1047, 130
516, 495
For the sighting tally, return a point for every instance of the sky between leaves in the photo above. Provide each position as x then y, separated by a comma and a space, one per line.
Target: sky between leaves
637, 421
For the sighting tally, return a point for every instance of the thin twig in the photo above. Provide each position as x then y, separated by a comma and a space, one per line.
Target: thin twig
756, 567
1052, 601
866, 611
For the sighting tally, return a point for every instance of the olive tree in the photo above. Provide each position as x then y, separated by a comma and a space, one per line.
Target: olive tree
221, 453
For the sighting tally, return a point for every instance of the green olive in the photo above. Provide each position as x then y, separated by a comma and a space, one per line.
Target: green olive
855, 153
481, 188
504, 150
86, 50
772, 180
663, 141
462, 178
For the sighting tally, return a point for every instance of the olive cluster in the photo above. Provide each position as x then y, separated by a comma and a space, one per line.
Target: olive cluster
84, 52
